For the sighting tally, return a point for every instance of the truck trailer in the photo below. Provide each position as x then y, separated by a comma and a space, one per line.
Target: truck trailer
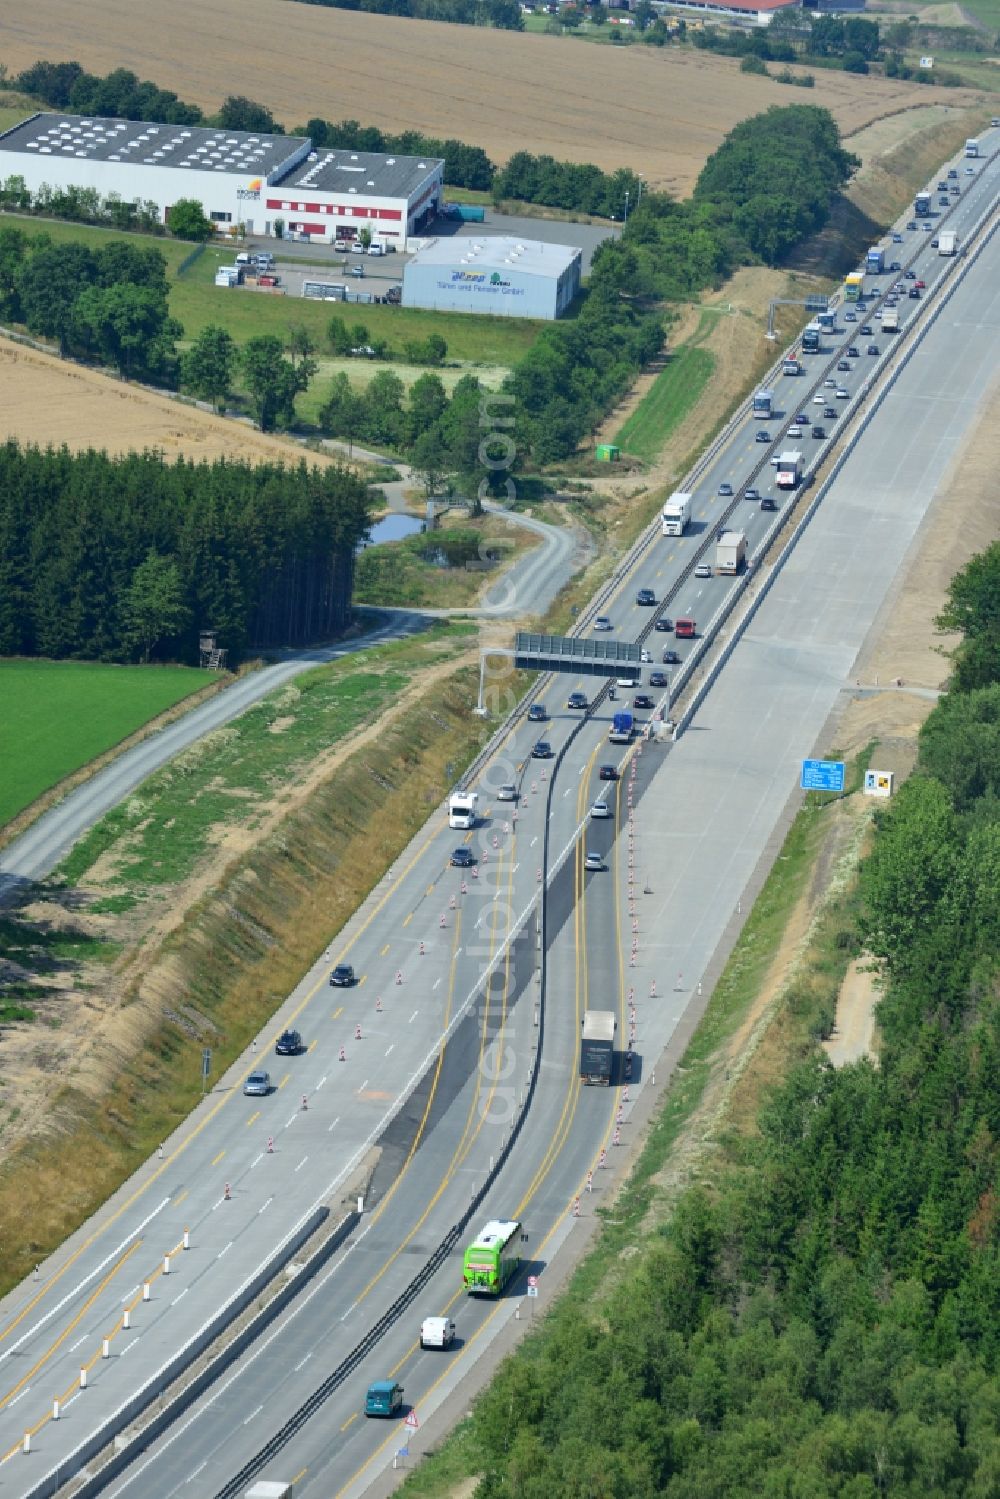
789, 469
730, 552
922, 205
947, 242
875, 261
676, 514
890, 320
621, 728
597, 1047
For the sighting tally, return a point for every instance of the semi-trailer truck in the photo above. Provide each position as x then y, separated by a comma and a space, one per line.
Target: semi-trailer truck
890, 320
462, 809
854, 285
875, 261
947, 242
789, 469
730, 551
922, 205
597, 1047
621, 728
676, 514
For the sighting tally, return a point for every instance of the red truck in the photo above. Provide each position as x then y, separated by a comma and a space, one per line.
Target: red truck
685, 629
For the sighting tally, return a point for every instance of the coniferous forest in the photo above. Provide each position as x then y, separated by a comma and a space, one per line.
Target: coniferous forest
823, 1318
129, 558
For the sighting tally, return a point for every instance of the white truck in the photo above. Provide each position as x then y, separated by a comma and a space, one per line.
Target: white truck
890, 320
437, 1332
462, 809
676, 514
789, 469
730, 552
947, 242
972, 147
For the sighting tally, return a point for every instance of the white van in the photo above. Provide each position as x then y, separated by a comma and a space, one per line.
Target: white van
244, 258
376, 249
437, 1332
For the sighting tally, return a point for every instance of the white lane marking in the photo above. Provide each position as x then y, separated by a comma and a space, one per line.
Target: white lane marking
435, 983
86, 1279
18, 1397
224, 1251
291, 1120
127, 1347
180, 1297
197, 1470
363, 1086
301, 1363
567, 791
413, 1017
390, 1048
320, 1084
516, 867
333, 1125
252, 1414
77, 1343
301, 1164
264, 1206
533, 841
256, 1159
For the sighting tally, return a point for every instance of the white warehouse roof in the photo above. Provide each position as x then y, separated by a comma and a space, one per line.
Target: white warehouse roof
236, 152
498, 252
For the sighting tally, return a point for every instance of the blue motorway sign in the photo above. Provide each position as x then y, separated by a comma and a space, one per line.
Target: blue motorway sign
822, 775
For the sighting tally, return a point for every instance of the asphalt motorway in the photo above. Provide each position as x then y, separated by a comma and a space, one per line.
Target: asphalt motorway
692, 860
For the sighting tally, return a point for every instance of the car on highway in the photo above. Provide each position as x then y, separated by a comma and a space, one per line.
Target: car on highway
818, 399
603, 623
803, 416
793, 431
600, 809
970, 171
952, 173
829, 413
928, 228
912, 224
865, 330
507, 792
920, 285
725, 489
890, 302
944, 200
896, 266
669, 657
645, 597
642, 700
257, 1085
819, 431
659, 679
842, 394
437, 1332
355, 270
342, 976
873, 348
577, 700
768, 502
462, 858
644, 656
897, 239
384, 1398
608, 773
854, 352
909, 275
537, 713
830, 381
664, 624
914, 294
842, 364
934, 243
850, 317
541, 750
592, 860
954, 188
704, 569
288, 1044
763, 435
753, 493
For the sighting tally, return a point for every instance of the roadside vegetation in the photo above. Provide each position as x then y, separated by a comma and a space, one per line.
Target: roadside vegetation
104, 705
818, 1315
675, 391
441, 569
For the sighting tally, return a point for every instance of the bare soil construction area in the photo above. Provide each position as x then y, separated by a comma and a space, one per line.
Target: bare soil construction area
48, 400
661, 112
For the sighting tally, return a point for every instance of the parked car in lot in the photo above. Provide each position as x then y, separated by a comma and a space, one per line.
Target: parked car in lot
541, 750
462, 858
342, 976
257, 1085
288, 1044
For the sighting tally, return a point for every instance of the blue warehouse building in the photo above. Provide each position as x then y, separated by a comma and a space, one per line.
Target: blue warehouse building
495, 274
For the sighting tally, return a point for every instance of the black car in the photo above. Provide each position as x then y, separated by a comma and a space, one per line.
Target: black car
896, 266
763, 435
608, 773
642, 700
853, 353
819, 431
288, 1044
659, 679
577, 700
541, 750
537, 713
909, 275
664, 624
873, 348
915, 293
866, 330
943, 201
342, 976
671, 658
768, 503
463, 858
842, 364
952, 173
912, 224
645, 596
829, 413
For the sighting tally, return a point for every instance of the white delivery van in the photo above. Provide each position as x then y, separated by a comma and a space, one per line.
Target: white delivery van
437, 1332
376, 249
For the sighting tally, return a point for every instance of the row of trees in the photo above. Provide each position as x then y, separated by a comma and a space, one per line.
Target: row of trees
82, 205
825, 1320
121, 95
566, 184
505, 15
113, 558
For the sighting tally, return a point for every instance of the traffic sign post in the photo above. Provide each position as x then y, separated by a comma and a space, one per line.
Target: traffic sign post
206, 1066
822, 775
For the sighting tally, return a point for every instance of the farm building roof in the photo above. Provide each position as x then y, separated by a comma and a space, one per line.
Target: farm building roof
498, 252
235, 152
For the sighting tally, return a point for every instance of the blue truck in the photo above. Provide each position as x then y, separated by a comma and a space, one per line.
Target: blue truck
875, 261
621, 728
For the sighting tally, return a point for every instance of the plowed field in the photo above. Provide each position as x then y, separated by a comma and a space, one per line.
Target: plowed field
659, 111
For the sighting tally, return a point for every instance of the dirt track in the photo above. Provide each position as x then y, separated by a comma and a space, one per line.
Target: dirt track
661, 112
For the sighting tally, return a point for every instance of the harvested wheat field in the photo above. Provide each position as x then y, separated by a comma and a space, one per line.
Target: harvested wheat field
660, 112
48, 400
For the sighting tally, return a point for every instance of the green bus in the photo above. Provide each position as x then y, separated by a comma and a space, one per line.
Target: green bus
492, 1258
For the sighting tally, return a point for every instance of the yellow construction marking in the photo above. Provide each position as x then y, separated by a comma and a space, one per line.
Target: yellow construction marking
252, 1120
352, 1417
284, 1081
407, 919
218, 1158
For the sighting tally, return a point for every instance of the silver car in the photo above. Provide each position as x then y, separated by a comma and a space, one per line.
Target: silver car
600, 809
257, 1085
507, 793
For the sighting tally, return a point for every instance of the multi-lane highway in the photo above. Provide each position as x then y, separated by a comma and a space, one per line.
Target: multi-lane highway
700, 819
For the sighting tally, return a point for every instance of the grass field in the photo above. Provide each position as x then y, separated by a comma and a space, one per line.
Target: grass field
672, 395
60, 715
661, 112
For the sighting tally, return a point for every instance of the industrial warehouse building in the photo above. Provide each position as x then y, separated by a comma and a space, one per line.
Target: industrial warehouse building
495, 274
238, 177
